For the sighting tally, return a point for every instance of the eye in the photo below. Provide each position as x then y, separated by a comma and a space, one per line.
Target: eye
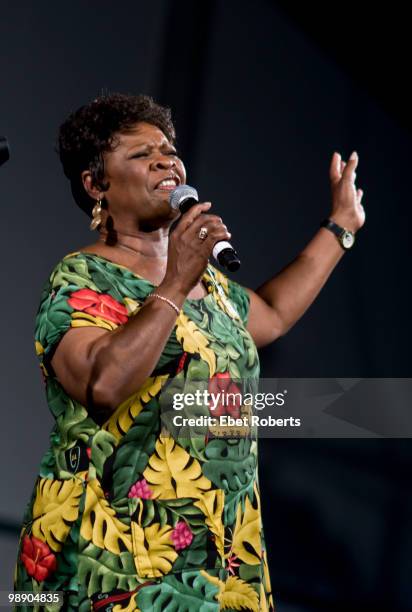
173, 152
140, 154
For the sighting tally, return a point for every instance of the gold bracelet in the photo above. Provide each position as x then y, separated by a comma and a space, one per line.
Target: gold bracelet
165, 299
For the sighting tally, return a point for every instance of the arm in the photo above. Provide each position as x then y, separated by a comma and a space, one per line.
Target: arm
100, 368
281, 301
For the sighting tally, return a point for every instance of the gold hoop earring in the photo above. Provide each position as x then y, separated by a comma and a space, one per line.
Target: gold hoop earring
96, 214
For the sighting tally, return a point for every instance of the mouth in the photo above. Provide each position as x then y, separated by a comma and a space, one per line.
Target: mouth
168, 183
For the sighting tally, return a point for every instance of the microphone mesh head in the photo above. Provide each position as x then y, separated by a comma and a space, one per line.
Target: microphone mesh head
181, 194
4, 150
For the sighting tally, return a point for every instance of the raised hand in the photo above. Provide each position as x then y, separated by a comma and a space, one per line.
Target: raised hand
347, 209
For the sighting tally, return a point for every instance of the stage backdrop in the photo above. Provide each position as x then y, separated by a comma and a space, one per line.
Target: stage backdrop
259, 110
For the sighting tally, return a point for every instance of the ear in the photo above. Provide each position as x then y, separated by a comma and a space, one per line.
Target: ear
91, 189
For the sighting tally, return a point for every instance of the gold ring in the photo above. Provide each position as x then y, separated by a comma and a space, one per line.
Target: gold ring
203, 233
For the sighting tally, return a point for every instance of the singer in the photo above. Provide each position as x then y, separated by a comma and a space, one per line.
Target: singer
124, 515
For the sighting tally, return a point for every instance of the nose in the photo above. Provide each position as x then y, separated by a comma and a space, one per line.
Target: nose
163, 162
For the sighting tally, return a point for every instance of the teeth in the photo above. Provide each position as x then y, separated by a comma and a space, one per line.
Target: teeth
167, 183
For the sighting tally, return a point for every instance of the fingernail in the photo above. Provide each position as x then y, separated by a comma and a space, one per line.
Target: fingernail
354, 155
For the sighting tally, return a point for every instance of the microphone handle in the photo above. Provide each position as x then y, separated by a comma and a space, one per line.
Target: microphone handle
226, 255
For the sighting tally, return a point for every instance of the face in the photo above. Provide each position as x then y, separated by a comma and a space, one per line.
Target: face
142, 171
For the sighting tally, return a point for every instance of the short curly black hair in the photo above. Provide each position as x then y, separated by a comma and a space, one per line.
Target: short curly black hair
90, 131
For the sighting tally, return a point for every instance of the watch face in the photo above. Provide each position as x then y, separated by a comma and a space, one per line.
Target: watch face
347, 239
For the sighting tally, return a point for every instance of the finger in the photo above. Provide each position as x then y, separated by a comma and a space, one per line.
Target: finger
211, 223
342, 166
334, 169
191, 215
207, 220
216, 235
359, 193
350, 167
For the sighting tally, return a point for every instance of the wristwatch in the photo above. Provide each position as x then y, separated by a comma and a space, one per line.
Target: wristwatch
346, 237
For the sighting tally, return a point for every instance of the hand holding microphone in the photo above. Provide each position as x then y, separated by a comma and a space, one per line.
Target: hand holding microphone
183, 198
191, 243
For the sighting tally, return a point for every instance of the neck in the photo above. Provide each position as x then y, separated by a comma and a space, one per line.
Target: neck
146, 244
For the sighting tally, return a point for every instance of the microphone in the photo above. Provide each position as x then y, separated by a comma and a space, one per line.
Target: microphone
4, 150
183, 198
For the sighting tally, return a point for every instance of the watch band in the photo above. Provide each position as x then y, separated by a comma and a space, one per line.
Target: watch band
333, 227
346, 237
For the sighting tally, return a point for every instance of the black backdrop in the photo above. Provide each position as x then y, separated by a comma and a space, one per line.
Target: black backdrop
262, 96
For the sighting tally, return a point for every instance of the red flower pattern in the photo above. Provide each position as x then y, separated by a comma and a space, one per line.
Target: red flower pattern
181, 535
228, 404
140, 489
99, 305
181, 364
232, 564
37, 557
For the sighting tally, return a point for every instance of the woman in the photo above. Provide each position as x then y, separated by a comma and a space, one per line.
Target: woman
123, 515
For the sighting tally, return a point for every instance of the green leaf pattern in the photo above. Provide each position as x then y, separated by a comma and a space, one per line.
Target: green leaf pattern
220, 474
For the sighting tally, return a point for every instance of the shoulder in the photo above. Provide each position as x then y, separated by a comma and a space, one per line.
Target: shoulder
78, 293
97, 272
72, 268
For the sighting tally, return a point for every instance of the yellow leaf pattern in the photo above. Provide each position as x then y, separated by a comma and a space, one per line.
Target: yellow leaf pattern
263, 600
221, 293
266, 586
172, 472
82, 319
234, 593
56, 507
211, 504
39, 348
153, 549
193, 341
122, 419
132, 306
221, 279
131, 606
100, 524
248, 529
238, 595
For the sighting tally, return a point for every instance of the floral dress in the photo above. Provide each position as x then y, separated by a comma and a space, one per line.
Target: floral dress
124, 515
